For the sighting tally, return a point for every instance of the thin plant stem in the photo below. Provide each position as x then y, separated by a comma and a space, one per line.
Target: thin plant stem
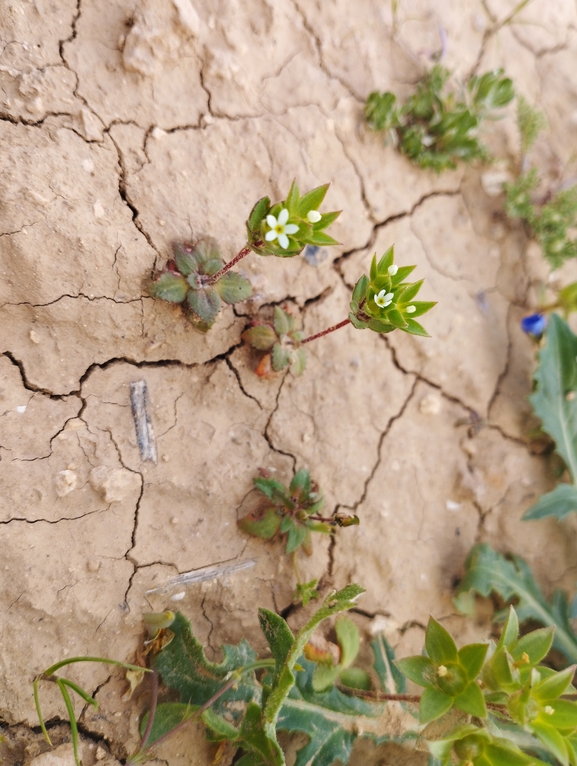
241, 254
152, 712
72, 718
338, 326
380, 696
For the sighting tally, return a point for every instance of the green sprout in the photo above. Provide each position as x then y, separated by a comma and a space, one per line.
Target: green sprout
282, 340
436, 129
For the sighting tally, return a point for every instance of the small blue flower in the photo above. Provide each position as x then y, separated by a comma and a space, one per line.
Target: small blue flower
534, 324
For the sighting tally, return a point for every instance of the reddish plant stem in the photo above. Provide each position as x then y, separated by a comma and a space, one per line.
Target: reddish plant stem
227, 267
338, 326
380, 696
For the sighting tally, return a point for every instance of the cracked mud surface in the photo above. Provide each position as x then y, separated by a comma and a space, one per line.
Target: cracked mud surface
123, 128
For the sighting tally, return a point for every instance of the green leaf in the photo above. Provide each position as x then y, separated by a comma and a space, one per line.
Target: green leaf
535, 645
296, 534
169, 287
305, 592
471, 658
321, 239
186, 258
414, 328
552, 739
312, 200
275, 491
559, 503
299, 362
167, 716
355, 678
324, 676
471, 701
360, 291
409, 292
260, 739
300, 485
554, 686
358, 323
261, 336
282, 321
487, 571
278, 635
184, 667
439, 643
421, 670
434, 703
265, 526
219, 728
348, 639
556, 378
280, 358
233, 288
292, 200
257, 214
510, 630
391, 679
211, 267
205, 303
385, 261
206, 249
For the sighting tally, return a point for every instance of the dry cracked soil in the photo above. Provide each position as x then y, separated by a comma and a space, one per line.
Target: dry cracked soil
127, 125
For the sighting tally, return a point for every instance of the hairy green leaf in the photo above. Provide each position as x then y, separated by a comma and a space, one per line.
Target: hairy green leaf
169, 287
233, 288
261, 336
205, 303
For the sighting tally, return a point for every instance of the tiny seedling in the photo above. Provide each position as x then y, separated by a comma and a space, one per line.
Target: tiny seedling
293, 511
435, 128
281, 341
550, 217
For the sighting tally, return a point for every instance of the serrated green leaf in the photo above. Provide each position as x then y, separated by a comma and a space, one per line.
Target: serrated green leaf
233, 288
205, 303
280, 358
185, 257
556, 378
559, 503
487, 571
439, 643
206, 249
169, 287
349, 640
211, 266
299, 362
391, 679
184, 667
265, 526
312, 200
257, 214
261, 336
281, 321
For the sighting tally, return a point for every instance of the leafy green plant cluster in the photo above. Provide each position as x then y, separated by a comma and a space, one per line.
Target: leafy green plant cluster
198, 280
292, 511
437, 128
550, 218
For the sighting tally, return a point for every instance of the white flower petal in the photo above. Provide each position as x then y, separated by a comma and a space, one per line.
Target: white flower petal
283, 241
382, 293
389, 297
271, 220
387, 303
314, 216
379, 301
270, 235
291, 228
283, 216
393, 270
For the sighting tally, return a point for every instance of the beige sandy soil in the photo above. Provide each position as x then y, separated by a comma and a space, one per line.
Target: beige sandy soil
125, 125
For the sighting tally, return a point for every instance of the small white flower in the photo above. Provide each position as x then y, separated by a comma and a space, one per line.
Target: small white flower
314, 216
384, 299
393, 270
549, 710
411, 309
279, 228
442, 671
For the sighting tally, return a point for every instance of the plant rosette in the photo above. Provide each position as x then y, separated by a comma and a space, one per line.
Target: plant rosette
285, 228
281, 340
186, 280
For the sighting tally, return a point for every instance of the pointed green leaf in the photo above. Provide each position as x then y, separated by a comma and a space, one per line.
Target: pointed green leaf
169, 287
535, 645
185, 257
421, 670
373, 272
554, 686
257, 214
274, 490
471, 658
402, 274
233, 288
326, 220
312, 200
205, 303
564, 714
296, 536
261, 336
292, 200
320, 238
559, 503
300, 485
434, 703
471, 701
385, 261
409, 292
360, 291
552, 739
439, 643
282, 323
510, 630
278, 635
414, 328
348, 639
395, 318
